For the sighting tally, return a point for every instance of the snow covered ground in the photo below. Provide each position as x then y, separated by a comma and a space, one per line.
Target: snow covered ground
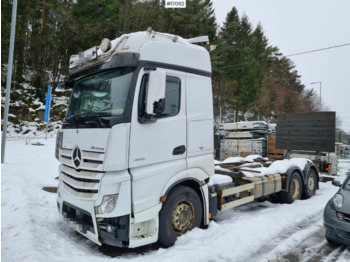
32, 230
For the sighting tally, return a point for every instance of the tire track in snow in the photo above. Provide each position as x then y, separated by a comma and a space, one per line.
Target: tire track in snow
314, 249
304, 243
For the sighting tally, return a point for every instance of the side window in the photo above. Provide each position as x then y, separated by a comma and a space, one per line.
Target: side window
172, 98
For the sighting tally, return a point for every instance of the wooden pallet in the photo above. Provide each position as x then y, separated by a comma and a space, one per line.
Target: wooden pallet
275, 156
272, 151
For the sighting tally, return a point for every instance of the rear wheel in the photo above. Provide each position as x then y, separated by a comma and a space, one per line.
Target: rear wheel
181, 212
294, 189
311, 184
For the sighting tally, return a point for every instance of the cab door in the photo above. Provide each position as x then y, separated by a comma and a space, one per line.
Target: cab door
157, 143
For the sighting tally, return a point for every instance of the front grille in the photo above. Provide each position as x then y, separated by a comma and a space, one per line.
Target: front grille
89, 160
81, 179
66, 157
81, 184
93, 161
82, 190
343, 217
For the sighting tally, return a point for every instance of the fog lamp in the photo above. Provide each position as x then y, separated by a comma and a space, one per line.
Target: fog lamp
109, 229
340, 216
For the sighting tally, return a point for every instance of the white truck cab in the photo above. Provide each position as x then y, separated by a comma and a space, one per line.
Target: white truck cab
136, 145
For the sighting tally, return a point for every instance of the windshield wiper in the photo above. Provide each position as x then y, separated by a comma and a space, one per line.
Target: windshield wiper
89, 114
69, 121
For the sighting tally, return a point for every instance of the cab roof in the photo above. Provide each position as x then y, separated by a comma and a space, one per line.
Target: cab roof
150, 46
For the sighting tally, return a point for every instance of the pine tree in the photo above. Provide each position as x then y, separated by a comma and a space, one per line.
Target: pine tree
139, 15
241, 59
196, 19
93, 21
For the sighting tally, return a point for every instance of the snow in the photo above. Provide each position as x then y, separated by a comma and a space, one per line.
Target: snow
60, 100
218, 179
236, 159
239, 159
33, 231
216, 162
17, 103
37, 102
222, 169
251, 158
277, 167
31, 130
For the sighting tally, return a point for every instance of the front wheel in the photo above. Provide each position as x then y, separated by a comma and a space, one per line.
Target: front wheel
294, 187
181, 212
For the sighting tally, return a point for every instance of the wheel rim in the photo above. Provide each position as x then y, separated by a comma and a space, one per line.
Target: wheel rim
183, 217
295, 188
311, 183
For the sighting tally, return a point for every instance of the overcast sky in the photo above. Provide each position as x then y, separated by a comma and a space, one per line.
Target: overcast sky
296, 26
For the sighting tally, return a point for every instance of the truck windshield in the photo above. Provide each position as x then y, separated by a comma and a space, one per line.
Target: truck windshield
101, 95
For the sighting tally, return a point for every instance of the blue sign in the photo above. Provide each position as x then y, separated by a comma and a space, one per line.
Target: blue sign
48, 105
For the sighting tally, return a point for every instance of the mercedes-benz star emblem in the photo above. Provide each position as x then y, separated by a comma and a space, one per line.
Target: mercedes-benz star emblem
76, 156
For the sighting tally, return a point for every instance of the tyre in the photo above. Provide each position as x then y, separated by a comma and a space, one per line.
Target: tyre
275, 198
181, 212
294, 187
309, 188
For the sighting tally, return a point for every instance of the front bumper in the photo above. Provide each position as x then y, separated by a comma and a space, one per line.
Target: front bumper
78, 208
113, 231
336, 230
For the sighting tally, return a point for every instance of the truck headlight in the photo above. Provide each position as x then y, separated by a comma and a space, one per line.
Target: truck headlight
108, 204
338, 200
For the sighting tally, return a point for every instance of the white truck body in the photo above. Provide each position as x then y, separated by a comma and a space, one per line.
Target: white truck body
136, 153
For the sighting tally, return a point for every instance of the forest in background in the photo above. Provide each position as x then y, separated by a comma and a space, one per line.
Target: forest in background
250, 77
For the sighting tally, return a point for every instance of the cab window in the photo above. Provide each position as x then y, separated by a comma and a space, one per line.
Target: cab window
172, 97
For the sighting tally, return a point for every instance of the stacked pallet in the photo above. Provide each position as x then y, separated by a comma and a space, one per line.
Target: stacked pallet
246, 126
244, 147
245, 138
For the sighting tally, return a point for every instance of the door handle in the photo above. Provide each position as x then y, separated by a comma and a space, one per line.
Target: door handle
179, 150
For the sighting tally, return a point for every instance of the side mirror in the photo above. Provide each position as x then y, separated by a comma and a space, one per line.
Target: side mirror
62, 86
336, 183
156, 92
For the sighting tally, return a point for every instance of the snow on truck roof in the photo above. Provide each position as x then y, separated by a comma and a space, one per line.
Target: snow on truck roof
151, 46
